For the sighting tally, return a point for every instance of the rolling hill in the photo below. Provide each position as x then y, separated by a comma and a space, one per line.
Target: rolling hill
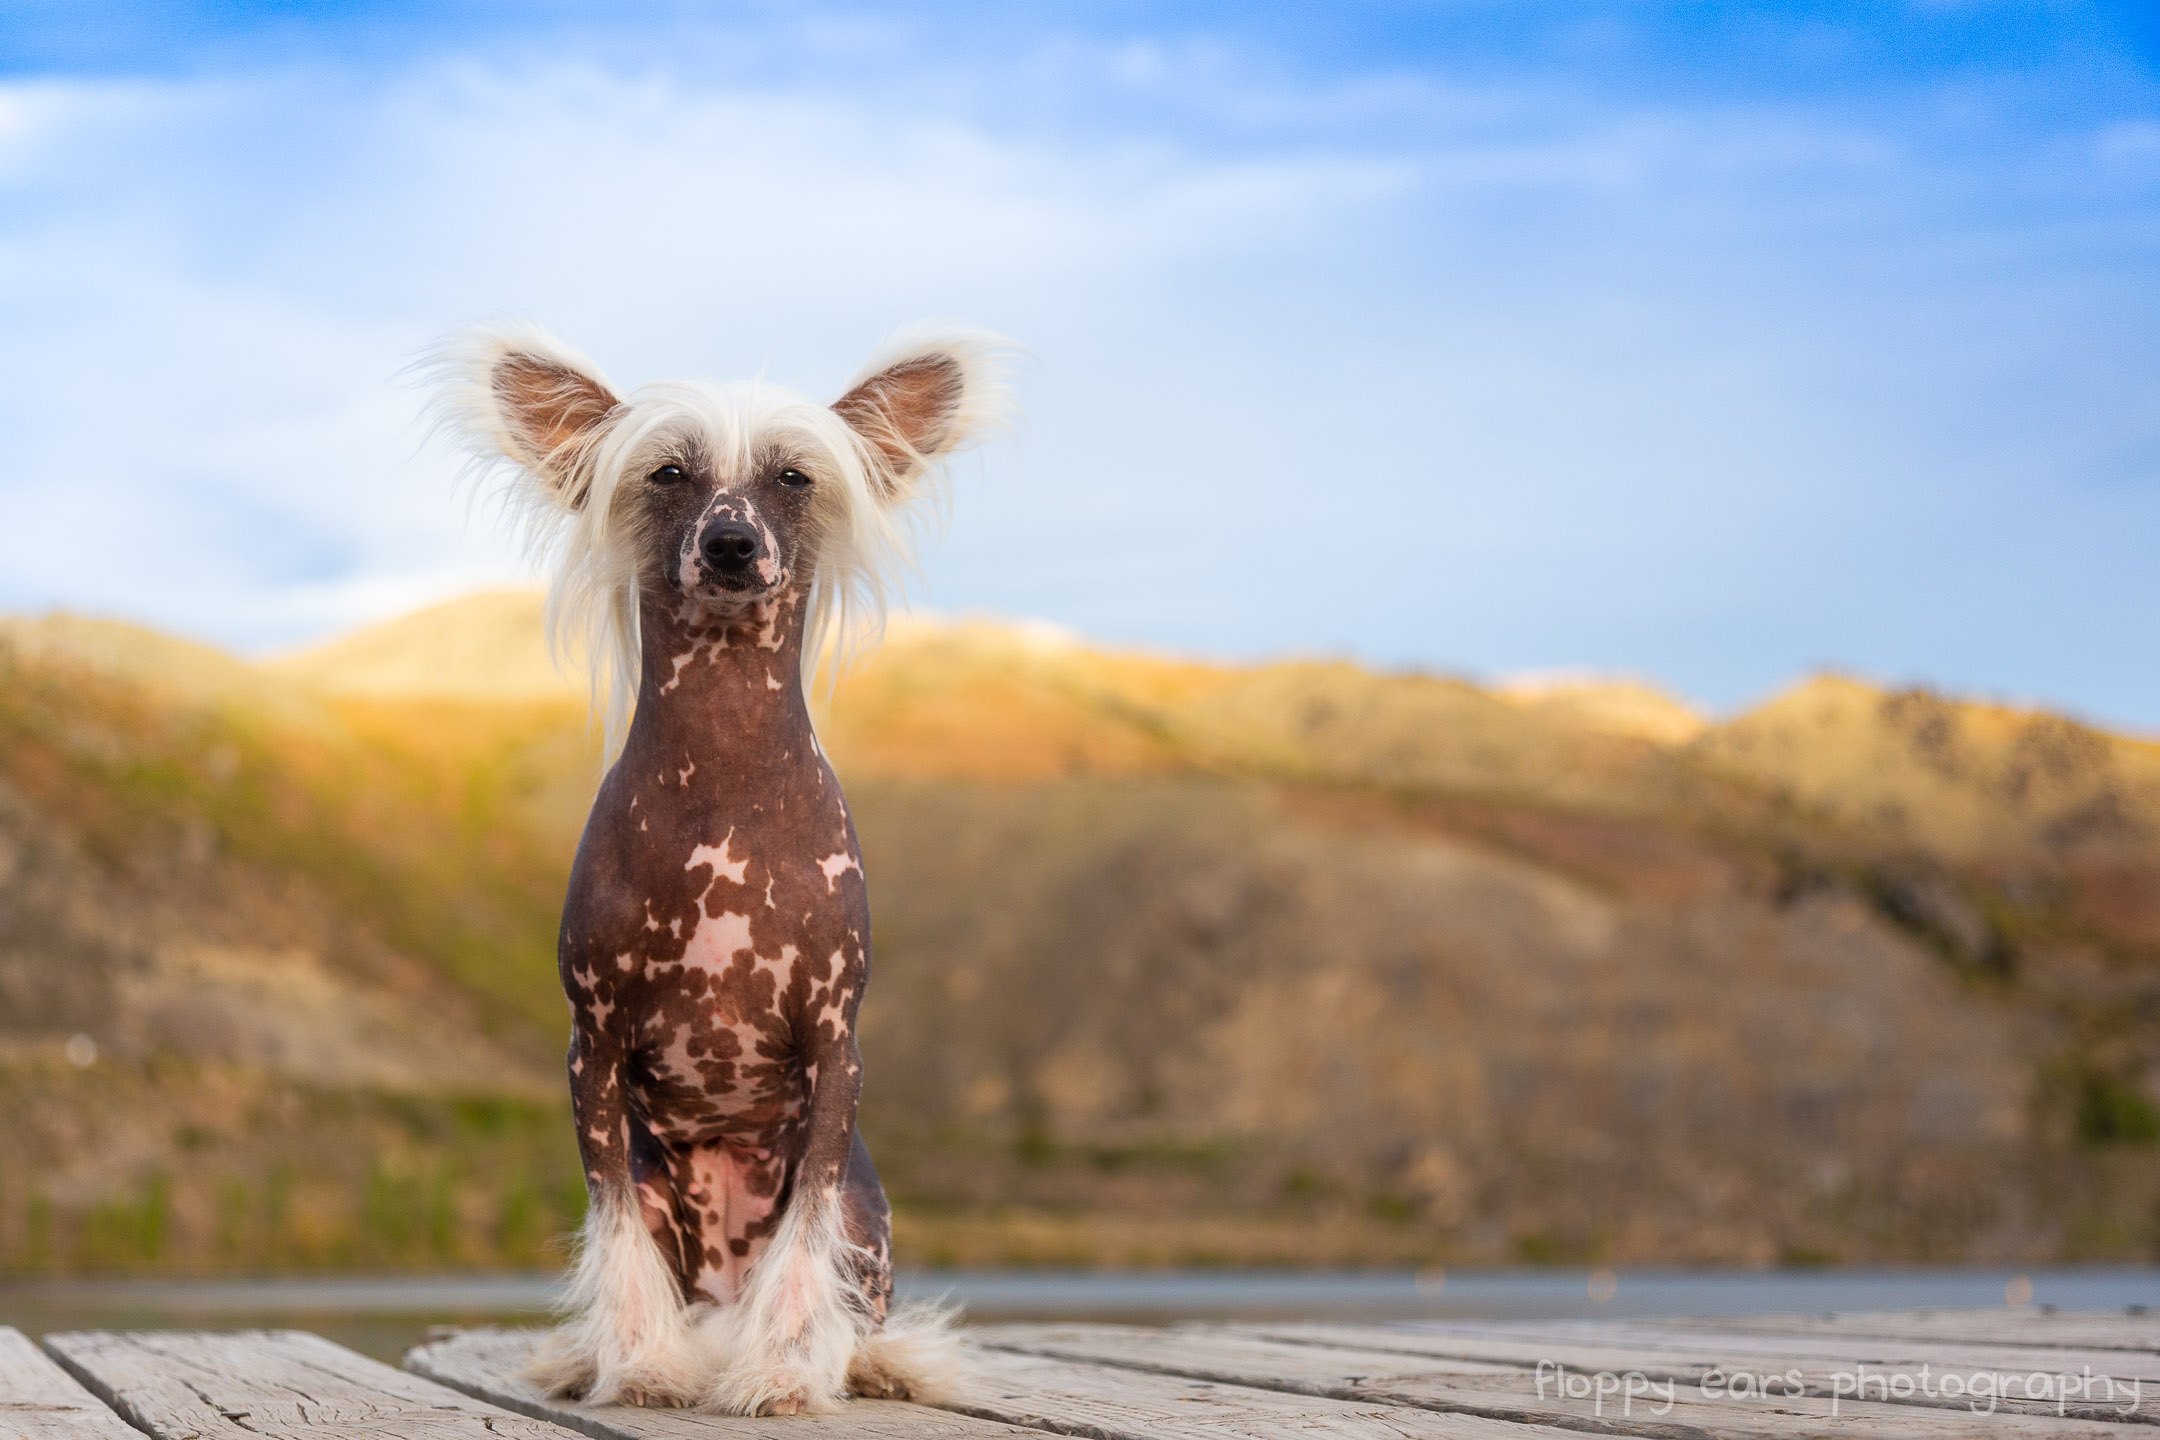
1176, 962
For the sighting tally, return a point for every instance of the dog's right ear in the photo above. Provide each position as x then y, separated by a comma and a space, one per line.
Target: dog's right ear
524, 395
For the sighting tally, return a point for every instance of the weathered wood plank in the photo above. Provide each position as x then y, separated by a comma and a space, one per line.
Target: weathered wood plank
1892, 1373
488, 1364
1833, 1347
1110, 1403
1015, 1395
284, 1384
40, 1401
2118, 1330
1513, 1393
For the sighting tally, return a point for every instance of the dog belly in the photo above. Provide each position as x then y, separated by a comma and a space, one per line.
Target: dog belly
726, 1198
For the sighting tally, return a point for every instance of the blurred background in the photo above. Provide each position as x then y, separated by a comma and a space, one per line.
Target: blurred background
1557, 682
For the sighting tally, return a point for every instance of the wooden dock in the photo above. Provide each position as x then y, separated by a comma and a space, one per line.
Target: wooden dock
1928, 1375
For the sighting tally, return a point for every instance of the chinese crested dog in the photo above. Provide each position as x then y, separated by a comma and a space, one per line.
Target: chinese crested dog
710, 543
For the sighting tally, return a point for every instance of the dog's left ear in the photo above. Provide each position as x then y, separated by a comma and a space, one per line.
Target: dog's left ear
926, 394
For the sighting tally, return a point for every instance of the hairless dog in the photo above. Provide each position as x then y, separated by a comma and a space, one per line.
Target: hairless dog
710, 544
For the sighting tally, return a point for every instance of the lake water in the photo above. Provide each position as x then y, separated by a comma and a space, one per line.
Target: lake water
383, 1315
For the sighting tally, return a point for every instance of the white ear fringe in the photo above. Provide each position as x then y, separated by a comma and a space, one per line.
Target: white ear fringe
869, 559
628, 1339
467, 405
984, 360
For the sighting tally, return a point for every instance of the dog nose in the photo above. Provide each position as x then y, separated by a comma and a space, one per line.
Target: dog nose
728, 546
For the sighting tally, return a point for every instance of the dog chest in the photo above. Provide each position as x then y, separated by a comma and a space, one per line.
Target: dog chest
723, 950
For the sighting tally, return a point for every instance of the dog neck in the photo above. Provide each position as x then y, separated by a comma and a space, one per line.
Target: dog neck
718, 676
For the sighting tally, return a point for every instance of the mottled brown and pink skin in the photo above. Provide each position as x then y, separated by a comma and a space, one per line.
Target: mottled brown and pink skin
715, 945
716, 936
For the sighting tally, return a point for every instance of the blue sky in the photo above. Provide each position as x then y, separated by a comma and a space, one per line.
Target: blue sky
1708, 343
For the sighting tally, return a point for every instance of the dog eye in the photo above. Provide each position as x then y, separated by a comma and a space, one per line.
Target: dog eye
793, 479
667, 475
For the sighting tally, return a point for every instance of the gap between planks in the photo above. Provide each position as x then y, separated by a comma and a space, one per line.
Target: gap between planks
40, 1401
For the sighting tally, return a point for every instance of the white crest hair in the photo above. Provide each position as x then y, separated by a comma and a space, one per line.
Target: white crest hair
873, 496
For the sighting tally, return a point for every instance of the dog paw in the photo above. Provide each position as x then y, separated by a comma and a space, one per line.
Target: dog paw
556, 1371
651, 1397
876, 1385
797, 1403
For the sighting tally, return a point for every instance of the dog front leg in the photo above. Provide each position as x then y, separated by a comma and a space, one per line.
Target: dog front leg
793, 1331
625, 1337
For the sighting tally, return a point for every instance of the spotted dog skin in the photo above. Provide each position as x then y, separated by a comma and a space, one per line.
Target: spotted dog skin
715, 939
715, 945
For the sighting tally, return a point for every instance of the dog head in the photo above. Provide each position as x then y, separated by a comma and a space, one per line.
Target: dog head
722, 498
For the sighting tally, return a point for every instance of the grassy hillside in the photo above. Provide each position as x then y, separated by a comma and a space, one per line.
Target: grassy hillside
1175, 962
